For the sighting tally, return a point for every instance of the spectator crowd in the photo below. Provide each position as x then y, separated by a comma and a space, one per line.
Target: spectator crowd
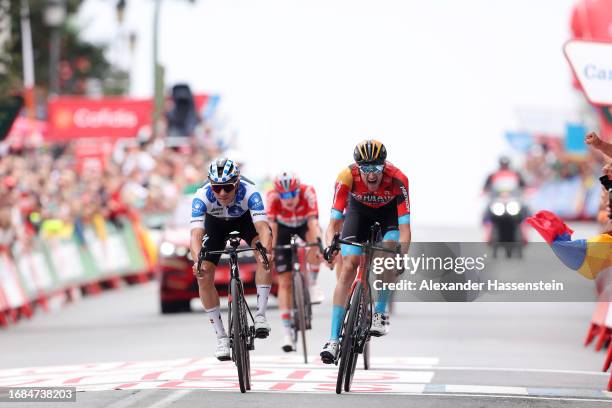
43, 190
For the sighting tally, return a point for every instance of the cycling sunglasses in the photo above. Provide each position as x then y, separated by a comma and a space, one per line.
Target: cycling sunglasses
228, 188
371, 168
290, 194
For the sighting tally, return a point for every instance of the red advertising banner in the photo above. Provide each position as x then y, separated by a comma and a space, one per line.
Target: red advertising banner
74, 117
77, 117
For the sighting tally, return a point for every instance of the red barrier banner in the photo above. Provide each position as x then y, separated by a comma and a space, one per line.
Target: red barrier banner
72, 117
75, 117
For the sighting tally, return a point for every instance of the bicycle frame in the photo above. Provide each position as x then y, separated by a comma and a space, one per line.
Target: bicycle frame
301, 310
240, 349
356, 333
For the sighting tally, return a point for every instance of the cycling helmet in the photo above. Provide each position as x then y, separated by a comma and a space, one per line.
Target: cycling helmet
286, 182
223, 170
504, 162
370, 152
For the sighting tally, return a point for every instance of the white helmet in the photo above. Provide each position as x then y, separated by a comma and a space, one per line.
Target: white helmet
223, 170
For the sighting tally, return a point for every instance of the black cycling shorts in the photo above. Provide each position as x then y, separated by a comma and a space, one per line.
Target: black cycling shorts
359, 218
218, 230
282, 258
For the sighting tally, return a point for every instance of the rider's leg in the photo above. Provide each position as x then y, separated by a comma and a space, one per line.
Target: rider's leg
390, 241
313, 256
263, 281
350, 262
210, 297
284, 300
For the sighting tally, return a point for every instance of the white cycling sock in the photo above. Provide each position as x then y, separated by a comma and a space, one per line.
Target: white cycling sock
286, 319
214, 315
262, 299
313, 270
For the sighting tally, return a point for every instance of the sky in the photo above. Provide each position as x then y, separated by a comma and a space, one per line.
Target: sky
438, 81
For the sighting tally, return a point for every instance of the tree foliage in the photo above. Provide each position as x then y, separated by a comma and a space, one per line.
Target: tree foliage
80, 60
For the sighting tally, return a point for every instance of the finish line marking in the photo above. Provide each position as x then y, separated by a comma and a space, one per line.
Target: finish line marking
401, 376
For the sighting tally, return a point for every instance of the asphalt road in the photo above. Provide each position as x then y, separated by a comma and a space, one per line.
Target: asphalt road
120, 352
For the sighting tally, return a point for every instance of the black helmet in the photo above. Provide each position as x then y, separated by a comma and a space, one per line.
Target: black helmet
370, 152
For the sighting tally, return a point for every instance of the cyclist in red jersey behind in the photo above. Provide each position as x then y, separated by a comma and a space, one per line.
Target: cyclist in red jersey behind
371, 190
292, 209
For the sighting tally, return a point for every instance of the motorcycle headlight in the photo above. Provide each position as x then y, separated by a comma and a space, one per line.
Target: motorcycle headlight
513, 207
498, 208
167, 249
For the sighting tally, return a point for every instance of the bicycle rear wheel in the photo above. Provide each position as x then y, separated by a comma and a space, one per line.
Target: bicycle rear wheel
366, 356
238, 341
300, 307
347, 347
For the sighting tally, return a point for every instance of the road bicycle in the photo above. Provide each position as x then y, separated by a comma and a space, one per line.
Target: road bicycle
355, 333
302, 308
241, 323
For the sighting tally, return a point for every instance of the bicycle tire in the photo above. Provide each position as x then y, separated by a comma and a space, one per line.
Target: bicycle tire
238, 346
347, 348
300, 307
366, 356
361, 316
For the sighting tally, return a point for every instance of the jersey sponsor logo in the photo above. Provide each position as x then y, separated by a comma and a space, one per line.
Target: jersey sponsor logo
235, 210
198, 208
215, 210
371, 198
255, 202
406, 199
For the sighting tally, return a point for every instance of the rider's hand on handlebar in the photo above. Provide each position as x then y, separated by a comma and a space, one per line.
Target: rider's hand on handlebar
268, 251
329, 254
195, 270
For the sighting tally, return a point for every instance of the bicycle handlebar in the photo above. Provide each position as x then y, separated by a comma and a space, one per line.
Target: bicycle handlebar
318, 244
334, 247
258, 247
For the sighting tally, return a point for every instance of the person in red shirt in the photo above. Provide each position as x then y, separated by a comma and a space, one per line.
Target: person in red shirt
292, 209
367, 191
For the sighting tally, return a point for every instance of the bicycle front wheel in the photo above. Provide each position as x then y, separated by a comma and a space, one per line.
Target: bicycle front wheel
239, 347
348, 352
300, 307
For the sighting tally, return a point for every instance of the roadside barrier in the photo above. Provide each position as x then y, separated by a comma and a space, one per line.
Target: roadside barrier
600, 329
70, 265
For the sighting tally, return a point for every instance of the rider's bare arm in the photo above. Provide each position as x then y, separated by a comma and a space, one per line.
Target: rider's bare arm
274, 228
265, 236
335, 225
405, 236
314, 230
196, 242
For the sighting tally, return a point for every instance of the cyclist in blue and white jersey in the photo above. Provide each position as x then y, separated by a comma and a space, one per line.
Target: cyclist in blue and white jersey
228, 202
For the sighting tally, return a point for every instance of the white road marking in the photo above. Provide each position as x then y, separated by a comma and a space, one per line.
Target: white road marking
175, 396
485, 389
390, 375
131, 399
523, 370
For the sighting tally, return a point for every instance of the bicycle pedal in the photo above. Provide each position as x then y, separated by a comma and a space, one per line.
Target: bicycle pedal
261, 334
224, 358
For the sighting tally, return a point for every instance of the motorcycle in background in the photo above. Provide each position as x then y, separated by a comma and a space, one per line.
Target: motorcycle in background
505, 213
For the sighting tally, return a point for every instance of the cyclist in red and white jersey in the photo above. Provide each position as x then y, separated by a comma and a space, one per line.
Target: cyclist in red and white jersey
292, 209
